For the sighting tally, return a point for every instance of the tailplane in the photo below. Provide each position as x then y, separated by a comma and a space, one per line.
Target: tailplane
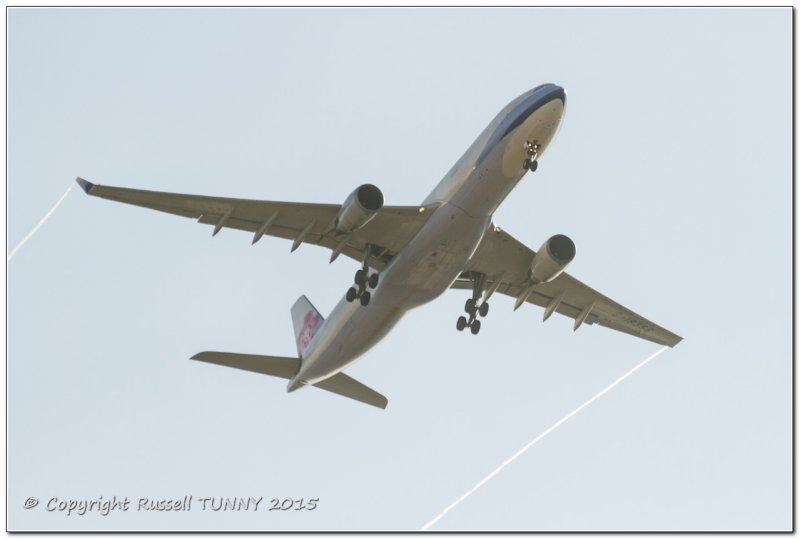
306, 320
282, 367
287, 367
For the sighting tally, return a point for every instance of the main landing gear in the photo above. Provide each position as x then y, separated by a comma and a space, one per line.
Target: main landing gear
363, 281
472, 308
532, 149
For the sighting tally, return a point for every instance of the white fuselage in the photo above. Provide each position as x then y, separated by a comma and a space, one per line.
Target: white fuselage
462, 206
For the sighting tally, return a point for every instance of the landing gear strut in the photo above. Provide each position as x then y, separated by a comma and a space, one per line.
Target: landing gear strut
363, 281
532, 149
472, 308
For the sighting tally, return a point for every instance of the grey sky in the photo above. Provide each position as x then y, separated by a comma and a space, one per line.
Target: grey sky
671, 172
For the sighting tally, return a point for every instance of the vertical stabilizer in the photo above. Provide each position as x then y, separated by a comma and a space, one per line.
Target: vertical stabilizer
306, 320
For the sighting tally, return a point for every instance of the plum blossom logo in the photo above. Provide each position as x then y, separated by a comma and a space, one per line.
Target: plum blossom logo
310, 323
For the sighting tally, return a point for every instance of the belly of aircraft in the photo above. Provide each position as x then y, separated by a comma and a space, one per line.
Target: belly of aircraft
421, 272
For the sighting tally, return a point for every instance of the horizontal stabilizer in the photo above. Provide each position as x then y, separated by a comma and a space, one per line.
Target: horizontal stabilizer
282, 367
287, 367
343, 385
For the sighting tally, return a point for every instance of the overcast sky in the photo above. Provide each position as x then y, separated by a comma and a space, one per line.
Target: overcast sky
671, 172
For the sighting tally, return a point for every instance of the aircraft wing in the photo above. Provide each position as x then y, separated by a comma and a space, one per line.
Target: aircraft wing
387, 233
505, 262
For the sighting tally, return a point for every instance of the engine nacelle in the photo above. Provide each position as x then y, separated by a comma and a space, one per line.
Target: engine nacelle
359, 208
552, 258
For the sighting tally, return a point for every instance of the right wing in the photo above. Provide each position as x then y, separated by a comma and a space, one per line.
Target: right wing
385, 235
505, 262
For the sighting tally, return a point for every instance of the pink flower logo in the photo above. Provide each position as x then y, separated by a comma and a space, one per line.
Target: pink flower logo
310, 323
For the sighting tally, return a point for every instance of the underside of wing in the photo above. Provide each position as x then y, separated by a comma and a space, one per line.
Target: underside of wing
382, 237
505, 263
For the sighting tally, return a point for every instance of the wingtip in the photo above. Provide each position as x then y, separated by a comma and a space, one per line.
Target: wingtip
85, 185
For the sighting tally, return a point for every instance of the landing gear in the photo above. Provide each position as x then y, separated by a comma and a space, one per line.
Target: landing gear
472, 308
363, 281
365, 297
351, 294
461, 323
530, 162
475, 327
361, 277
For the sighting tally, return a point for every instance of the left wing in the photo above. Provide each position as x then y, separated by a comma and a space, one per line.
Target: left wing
505, 262
384, 235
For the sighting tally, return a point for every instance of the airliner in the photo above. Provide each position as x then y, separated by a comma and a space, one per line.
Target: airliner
410, 255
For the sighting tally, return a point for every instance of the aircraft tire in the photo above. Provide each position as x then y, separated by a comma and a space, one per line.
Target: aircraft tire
373, 280
462, 323
351, 295
475, 327
361, 277
484, 309
365, 297
469, 306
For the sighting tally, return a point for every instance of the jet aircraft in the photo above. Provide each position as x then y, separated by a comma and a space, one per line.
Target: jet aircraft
410, 255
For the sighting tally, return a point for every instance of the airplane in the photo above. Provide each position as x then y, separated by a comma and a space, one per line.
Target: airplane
410, 255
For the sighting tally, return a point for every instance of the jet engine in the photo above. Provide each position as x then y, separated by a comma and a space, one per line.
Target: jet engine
552, 258
359, 208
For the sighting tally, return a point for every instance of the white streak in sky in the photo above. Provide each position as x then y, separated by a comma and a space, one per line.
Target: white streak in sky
542, 435
45, 218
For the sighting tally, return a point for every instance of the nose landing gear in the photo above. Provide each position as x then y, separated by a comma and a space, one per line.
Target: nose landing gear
472, 308
532, 149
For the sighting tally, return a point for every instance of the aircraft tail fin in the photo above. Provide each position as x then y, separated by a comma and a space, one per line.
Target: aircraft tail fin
306, 320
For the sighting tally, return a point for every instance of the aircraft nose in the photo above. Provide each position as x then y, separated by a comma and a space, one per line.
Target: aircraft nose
549, 91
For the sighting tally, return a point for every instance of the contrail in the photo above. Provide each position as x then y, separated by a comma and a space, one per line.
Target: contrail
533, 442
45, 218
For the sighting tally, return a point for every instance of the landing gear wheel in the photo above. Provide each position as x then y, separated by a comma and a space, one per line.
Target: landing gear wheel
526, 164
361, 277
469, 306
533, 166
462, 323
484, 309
475, 327
351, 295
365, 298
373, 280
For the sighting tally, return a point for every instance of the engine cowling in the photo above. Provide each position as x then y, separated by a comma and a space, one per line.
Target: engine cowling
552, 258
359, 208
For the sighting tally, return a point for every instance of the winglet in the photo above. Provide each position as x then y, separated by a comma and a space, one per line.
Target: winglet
86, 186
